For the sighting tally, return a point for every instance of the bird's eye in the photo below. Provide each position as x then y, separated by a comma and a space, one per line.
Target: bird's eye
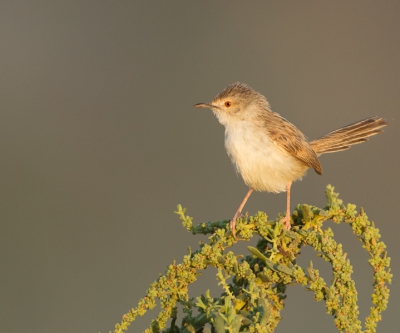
228, 104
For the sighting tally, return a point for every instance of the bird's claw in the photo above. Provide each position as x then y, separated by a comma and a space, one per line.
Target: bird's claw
233, 223
286, 222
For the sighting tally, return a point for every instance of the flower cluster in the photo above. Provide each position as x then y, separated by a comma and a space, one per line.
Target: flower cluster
254, 285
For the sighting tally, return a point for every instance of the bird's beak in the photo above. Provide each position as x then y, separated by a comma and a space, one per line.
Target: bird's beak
205, 105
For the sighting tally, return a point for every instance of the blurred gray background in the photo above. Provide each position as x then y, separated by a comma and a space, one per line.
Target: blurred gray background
99, 142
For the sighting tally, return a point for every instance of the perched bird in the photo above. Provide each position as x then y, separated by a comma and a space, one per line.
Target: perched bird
270, 152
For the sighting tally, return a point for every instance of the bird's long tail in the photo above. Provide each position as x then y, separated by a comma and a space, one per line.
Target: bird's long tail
344, 137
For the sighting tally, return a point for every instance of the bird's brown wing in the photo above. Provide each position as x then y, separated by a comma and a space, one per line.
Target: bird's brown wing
291, 140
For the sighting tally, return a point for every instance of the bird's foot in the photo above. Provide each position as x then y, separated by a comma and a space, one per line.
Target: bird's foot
286, 222
233, 223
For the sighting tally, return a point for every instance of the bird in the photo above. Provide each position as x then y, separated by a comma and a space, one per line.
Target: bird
268, 151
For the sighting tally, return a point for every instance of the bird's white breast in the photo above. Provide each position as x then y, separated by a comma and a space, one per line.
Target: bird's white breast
263, 165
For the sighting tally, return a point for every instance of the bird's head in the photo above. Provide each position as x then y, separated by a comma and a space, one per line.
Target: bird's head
236, 102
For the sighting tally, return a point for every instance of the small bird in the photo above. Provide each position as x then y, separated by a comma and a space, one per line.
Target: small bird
268, 151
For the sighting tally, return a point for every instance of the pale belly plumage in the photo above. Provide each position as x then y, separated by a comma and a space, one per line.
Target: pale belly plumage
261, 163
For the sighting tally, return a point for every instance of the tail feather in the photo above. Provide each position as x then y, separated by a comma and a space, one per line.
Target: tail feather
352, 134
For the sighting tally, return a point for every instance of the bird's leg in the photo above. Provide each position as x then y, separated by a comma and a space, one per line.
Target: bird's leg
233, 221
286, 221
